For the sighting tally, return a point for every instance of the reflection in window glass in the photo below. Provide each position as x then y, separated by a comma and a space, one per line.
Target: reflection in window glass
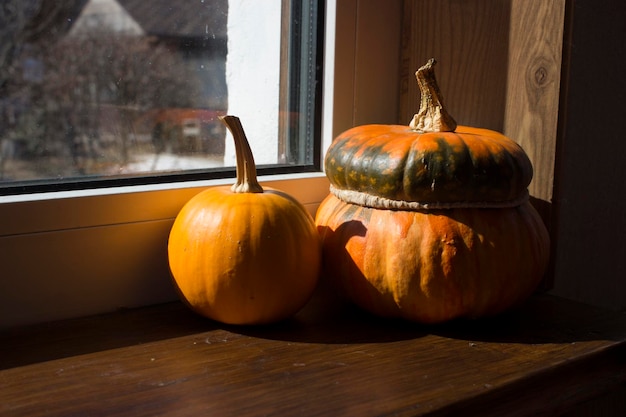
109, 88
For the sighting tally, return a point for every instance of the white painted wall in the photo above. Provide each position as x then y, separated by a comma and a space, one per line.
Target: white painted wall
252, 75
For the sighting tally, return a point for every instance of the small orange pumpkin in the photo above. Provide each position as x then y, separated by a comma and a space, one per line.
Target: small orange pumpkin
244, 254
431, 221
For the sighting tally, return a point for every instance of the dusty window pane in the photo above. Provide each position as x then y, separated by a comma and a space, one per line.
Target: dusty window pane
107, 87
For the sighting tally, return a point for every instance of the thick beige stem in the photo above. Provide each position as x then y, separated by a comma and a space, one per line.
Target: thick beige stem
432, 115
246, 169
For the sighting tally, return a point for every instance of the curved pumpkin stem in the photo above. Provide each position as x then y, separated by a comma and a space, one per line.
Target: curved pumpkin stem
432, 115
246, 169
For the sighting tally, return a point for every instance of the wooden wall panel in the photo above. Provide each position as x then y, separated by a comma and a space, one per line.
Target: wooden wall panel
376, 80
345, 56
533, 86
469, 40
366, 63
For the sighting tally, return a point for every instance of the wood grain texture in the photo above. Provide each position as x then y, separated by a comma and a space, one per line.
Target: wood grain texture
345, 58
533, 85
469, 40
540, 360
366, 63
376, 81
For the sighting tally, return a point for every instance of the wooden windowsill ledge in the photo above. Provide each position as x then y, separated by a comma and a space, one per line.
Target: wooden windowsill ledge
542, 359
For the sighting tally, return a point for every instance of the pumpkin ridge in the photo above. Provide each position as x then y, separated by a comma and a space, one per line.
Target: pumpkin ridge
457, 262
439, 173
490, 176
356, 160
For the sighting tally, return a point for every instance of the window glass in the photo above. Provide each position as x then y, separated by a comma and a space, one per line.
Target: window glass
105, 92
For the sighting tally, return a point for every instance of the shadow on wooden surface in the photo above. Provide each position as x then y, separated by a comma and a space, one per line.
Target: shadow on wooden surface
49, 341
543, 319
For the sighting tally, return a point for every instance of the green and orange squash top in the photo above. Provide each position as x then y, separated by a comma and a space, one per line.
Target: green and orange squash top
430, 163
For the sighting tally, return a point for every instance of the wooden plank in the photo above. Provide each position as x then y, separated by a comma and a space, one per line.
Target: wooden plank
469, 40
345, 58
533, 85
366, 63
376, 80
540, 360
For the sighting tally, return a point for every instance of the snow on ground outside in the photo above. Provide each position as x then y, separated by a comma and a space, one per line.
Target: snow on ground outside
170, 162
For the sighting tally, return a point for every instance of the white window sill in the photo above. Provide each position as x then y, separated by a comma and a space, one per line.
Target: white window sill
36, 213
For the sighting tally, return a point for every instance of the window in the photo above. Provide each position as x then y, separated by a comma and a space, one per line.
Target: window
101, 93
74, 252
80, 252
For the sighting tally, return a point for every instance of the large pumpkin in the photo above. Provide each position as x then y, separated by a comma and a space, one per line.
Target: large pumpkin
244, 254
431, 221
